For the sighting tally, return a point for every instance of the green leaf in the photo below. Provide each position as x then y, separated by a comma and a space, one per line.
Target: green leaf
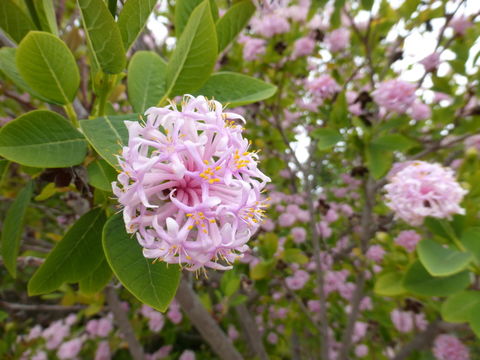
47, 65
261, 270
367, 4
152, 284
295, 256
145, 80
393, 142
13, 227
440, 227
40, 139
74, 257
457, 308
14, 21
132, 19
9, 68
418, 281
4, 165
236, 89
97, 279
326, 138
440, 261
194, 57
45, 11
101, 175
183, 10
339, 114
103, 36
389, 284
234, 20
474, 320
379, 160
471, 240
107, 135
230, 283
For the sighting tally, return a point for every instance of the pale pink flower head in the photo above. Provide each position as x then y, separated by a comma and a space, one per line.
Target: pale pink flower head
460, 24
298, 280
253, 48
105, 326
103, 351
473, 142
431, 62
70, 349
420, 111
270, 24
190, 187
174, 314
408, 239
395, 95
297, 12
272, 338
361, 350
323, 87
303, 47
448, 347
286, 219
402, 320
423, 189
232, 332
187, 355
338, 39
375, 253
299, 235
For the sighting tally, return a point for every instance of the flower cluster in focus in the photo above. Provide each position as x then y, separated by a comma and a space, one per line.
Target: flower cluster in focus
190, 187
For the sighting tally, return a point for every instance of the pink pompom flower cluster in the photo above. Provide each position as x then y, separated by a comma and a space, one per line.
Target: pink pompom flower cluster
419, 189
448, 347
395, 95
190, 187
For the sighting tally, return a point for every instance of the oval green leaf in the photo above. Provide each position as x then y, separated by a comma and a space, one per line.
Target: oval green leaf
97, 279
14, 21
152, 284
326, 138
103, 36
47, 65
145, 80
441, 261
457, 308
234, 20
41, 139
132, 19
101, 175
74, 257
471, 240
389, 284
194, 58
418, 281
236, 89
12, 228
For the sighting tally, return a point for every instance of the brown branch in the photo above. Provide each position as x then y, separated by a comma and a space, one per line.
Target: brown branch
205, 324
250, 330
39, 307
121, 319
420, 341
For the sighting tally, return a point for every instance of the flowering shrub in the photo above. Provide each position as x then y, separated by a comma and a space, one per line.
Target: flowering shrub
323, 154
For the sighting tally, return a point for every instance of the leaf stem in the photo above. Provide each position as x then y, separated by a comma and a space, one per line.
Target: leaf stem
72, 115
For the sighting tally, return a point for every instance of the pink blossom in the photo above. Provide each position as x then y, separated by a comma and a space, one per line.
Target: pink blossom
286, 219
359, 331
297, 12
268, 225
299, 235
232, 332
92, 327
70, 349
174, 313
402, 320
270, 25
303, 47
460, 24
473, 142
103, 351
408, 239
155, 318
253, 48
314, 305
189, 186
366, 304
161, 353
324, 87
423, 189
375, 253
448, 347
105, 326
421, 322
298, 280
431, 62
187, 355
420, 111
55, 334
395, 95
439, 97
331, 216
39, 355
338, 39
361, 350
34, 333
324, 229
272, 338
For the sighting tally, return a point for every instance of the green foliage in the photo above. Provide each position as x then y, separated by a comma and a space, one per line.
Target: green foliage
132, 19
146, 80
393, 142
194, 57
13, 227
458, 307
42, 138
48, 67
14, 21
236, 89
154, 284
103, 36
107, 135
230, 283
389, 284
74, 257
326, 138
45, 11
379, 160
471, 240
97, 279
183, 10
418, 281
234, 20
101, 175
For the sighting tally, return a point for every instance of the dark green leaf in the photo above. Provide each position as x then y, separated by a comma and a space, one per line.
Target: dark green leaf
236, 89
441, 261
146, 80
45, 11
42, 138
235, 19
47, 65
474, 320
379, 160
393, 142
132, 19
326, 138
183, 10
418, 281
339, 114
74, 257
471, 240
14, 21
13, 227
103, 36
97, 279
389, 284
101, 175
457, 308
152, 284
194, 57
107, 135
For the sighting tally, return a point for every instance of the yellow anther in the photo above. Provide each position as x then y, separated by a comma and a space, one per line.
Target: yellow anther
190, 227
212, 221
218, 168
205, 162
205, 231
